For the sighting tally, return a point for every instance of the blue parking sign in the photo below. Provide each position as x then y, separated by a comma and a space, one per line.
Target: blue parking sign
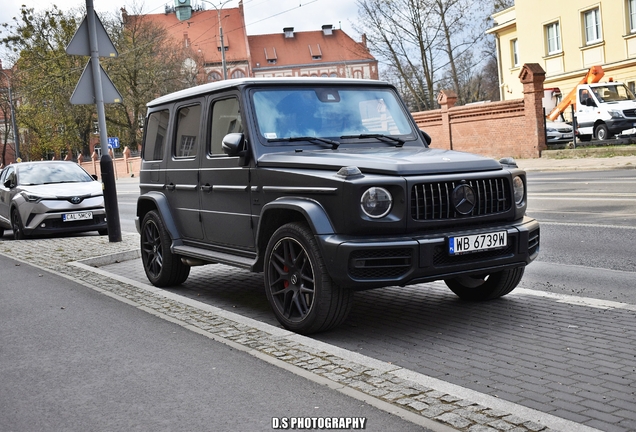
113, 142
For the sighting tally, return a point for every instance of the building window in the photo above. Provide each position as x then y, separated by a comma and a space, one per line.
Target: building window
238, 74
631, 10
592, 24
214, 76
553, 36
514, 46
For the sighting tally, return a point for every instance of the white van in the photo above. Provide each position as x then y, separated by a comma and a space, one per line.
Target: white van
604, 110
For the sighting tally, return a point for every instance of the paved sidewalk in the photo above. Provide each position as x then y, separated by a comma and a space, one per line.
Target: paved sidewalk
425, 400
577, 164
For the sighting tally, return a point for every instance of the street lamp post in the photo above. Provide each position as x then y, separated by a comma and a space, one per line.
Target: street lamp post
218, 12
16, 134
183, 10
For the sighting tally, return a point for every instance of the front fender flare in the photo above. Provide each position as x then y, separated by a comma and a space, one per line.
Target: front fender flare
312, 210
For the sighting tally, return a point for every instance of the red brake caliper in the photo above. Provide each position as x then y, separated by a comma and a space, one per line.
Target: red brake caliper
286, 282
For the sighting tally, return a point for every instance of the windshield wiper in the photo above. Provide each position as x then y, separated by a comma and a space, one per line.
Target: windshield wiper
399, 142
314, 140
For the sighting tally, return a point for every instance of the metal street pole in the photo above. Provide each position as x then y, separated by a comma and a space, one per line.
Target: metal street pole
16, 133
218, 13
110, 192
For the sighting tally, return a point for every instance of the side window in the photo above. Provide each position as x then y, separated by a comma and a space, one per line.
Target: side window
156, 129
188, 127
226, 118
8, 174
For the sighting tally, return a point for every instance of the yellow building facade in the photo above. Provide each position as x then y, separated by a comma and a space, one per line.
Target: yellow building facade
566, 37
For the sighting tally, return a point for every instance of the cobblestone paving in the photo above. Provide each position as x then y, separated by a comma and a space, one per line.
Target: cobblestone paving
382, 380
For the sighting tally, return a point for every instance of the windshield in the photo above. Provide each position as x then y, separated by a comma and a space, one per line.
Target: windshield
47, 173
328, 112
612, 93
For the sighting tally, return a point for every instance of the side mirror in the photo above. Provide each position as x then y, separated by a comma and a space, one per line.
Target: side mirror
94, 176
234, 144
8, 184
426, 137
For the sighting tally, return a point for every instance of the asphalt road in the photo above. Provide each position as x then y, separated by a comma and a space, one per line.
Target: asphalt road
588, 233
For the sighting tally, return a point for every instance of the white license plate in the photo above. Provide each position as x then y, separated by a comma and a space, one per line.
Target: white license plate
478, 242
69, 217
568, 135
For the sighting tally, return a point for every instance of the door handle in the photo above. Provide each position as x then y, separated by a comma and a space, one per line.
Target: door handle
171, 187
206, 187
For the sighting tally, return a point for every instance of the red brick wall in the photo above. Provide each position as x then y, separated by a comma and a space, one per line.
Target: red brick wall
124, 167
495, 129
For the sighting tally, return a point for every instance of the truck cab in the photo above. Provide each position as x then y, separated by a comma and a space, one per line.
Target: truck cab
604, 110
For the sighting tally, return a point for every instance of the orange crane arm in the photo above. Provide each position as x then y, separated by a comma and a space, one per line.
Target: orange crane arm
593, 75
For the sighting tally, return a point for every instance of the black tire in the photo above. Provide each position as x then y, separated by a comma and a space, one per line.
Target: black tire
16, 225
299, 289
486, 287
162, 267
585, 138
601, 132
103, 232
1, 232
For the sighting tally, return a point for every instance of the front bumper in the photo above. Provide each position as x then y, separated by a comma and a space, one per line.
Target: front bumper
619, 125
365, 263
52, 223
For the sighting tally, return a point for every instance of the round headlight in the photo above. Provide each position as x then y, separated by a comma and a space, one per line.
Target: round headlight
519, 189
376, 202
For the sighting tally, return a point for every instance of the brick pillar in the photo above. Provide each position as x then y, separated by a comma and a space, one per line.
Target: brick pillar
126, 153
446, 100
94, 158
532, 77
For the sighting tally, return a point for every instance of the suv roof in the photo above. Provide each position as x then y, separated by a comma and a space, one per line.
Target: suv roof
220, 85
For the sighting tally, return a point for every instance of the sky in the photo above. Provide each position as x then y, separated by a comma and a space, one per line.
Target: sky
261, 16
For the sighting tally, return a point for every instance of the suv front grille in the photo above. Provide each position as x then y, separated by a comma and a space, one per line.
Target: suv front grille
432, 201
629, 113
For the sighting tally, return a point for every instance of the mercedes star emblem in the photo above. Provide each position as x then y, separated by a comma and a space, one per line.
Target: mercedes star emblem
463, 199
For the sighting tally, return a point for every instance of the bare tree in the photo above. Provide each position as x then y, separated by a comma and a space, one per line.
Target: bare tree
426, 44
150, 64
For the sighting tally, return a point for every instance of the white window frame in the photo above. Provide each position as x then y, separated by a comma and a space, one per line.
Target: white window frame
514, 52
553, 37
592, 26
631, 15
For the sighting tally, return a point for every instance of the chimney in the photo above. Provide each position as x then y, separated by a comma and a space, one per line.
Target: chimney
364, 40
289, 32
327, 29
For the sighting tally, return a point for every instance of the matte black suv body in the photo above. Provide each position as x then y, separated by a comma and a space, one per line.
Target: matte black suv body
326, 186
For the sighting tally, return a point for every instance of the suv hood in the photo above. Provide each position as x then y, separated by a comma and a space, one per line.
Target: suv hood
390, 160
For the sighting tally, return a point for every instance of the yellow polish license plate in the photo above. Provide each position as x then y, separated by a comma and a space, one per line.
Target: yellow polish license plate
69, 217
477, 243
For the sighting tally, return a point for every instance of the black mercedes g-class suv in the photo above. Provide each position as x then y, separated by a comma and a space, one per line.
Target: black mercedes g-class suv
326, 186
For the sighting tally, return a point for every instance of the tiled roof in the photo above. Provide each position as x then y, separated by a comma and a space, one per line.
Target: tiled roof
202, 32
304, 48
